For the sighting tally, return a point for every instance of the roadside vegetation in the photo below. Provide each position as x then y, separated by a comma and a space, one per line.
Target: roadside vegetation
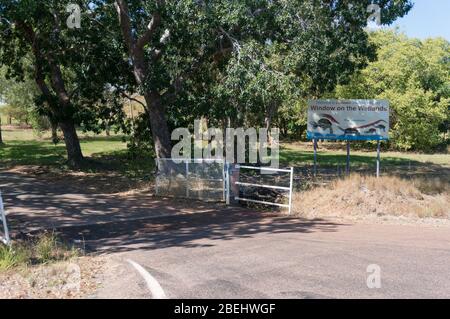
44, 266
360, 196
44, 249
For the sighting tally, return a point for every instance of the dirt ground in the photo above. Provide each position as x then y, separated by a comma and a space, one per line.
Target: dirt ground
74, 279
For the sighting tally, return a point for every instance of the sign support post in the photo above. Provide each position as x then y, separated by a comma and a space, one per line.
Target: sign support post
315, 157
378, 158
348, 157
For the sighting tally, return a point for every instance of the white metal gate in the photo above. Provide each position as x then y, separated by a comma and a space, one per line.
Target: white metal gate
5, 237
218, 180
265, 185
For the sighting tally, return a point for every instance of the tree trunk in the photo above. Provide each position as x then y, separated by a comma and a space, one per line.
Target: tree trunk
136, 52
158, 125
1, 138
268, 119
74, 155
55, 138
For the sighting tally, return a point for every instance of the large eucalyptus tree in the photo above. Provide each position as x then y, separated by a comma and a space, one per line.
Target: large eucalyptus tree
189, 56
72, 67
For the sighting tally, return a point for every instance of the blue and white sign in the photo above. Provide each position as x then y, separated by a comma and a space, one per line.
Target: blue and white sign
355, 120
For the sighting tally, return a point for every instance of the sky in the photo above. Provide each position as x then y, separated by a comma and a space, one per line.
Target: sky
428, 18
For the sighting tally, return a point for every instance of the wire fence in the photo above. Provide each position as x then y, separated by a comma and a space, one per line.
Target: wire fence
207, 180
411, 170
195, 179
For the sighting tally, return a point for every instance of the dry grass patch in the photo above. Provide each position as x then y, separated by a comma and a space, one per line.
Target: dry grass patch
75, 278
45, 267
364, 196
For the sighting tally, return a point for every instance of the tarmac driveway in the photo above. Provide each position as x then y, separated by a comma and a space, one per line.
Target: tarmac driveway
268, 257
197, 250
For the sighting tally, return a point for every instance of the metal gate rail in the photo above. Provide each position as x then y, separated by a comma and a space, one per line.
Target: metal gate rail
5, 238
291, 180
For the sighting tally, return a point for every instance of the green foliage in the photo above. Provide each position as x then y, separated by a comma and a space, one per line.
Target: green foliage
305, 50
417, 119
20, 98
13, 256
74, 68
415, 76
246, 61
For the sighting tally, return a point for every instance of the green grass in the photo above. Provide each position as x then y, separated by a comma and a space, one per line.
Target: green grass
24, 147
44, 249
14, 256
299, 154
103, 153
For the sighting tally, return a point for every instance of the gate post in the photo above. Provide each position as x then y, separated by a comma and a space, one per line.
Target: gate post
187, 179
290, 189
6, 240
227, 182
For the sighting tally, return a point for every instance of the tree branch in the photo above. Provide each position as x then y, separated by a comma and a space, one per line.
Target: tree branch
125, 24
131, 98
151, 28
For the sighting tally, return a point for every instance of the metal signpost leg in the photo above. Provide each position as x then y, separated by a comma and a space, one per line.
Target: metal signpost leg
315, 157
378, 158
348, 157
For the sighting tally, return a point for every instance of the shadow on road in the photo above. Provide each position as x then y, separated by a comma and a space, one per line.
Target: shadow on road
107, 222
189, 231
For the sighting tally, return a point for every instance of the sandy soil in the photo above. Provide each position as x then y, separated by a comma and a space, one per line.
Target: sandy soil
78, 278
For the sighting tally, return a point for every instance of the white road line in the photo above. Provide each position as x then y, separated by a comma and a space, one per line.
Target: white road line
152, 284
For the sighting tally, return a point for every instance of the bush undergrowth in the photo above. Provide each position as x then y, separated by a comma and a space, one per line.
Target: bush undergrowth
44, 249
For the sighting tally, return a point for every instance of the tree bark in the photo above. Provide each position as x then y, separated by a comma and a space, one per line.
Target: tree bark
54, 128
154, 108
158, 124
74, 154
1, 138
268, 119
59, 108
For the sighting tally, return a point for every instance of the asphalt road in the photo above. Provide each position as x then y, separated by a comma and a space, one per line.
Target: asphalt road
197, 250
251, 257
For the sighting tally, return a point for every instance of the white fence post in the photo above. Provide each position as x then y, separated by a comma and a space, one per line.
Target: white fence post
156, 179
291, 185
227, 182
6, 240
187, 179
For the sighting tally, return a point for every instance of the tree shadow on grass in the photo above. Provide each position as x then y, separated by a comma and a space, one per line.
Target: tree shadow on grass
31, 153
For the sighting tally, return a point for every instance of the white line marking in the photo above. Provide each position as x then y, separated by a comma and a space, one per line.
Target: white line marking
152, 284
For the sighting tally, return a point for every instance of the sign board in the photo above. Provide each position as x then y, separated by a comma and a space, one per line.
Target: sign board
354, 120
